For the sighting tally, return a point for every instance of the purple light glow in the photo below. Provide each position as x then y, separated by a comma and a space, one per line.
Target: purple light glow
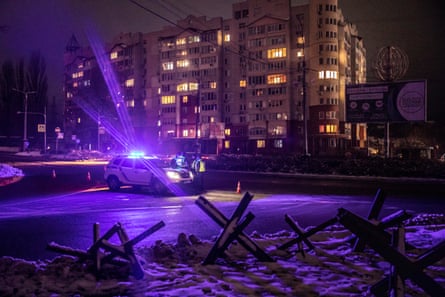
109, 127
127, 138
113, 87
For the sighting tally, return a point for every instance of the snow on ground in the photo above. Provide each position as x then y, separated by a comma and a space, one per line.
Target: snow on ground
9, 174
7, 171
176, 269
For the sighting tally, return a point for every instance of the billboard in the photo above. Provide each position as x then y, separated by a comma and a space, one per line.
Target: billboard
386, 102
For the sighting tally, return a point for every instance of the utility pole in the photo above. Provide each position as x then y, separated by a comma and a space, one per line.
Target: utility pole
197, 111
304, 110
25, 120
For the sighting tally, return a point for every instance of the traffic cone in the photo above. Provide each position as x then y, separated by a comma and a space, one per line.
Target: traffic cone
54, 174
88, 176
238, 188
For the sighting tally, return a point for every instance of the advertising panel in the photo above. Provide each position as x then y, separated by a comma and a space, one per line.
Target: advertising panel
386, 102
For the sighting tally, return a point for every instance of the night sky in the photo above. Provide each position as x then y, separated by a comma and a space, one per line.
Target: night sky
416, 26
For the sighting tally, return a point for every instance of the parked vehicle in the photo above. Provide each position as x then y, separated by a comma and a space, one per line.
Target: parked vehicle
144, 171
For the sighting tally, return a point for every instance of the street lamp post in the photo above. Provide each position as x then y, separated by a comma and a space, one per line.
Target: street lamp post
99, 131
25, 120
197, 110
44, 123
306, 148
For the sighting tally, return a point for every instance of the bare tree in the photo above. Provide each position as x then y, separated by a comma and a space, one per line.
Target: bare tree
18, 77
9, 101
36, 80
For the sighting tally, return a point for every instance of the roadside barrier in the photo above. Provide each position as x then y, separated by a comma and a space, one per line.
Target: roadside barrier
370, 231
104, 252
233, 229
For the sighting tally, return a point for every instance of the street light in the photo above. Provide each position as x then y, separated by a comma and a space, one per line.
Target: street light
25, 120
44, 123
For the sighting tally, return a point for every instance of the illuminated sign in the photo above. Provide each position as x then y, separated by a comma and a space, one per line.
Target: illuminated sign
386, 102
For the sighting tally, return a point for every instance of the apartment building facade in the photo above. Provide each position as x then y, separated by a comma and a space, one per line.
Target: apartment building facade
271, 79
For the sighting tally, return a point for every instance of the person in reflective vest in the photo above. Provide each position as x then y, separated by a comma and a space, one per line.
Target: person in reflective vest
199, 168
179, 161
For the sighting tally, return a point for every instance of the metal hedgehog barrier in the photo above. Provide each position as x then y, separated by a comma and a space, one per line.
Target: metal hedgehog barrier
372, 232
391, 246
104, 252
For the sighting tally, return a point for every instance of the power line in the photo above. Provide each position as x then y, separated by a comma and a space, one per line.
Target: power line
236, 52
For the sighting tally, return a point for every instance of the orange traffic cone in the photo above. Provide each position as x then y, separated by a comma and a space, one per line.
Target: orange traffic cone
238, 188
53, 174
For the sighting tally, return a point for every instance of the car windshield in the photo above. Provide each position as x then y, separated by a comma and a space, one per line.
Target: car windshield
157, 162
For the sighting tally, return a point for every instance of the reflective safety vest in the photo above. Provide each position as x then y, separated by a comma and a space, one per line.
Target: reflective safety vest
199, 166
202, 166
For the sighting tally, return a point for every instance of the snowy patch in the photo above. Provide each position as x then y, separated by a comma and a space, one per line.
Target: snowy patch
175, 269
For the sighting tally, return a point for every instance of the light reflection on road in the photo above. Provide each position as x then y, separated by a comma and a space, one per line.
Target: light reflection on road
69, 219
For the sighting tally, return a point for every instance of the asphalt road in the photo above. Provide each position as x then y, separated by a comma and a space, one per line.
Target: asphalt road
61, 202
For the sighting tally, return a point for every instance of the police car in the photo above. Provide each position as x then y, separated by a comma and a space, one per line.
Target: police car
139, 170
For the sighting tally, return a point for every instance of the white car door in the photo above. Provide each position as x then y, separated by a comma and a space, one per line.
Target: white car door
141, 174
127, 170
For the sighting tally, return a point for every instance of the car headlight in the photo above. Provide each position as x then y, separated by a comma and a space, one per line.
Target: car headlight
173, 175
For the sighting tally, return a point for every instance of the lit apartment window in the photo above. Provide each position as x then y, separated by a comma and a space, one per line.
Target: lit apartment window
113, 55
129, 83
226, 144
182, 63
75, 84
78, 120
300, 40
185, 99
130, 103
260, 143
278, 143
300, 53
276, 53
193, 86
331, 74
144, 102
77, 74
168, 100
278, 130
213, 84
182, 87
227, 37
227, 132
69, 95
182, 53
194, 38
185, 133
276, 79
167, 66
331, 128
181, 41
243, 83
328, 74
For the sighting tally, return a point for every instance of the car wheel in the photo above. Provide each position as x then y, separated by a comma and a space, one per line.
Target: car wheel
113, 183
158, 187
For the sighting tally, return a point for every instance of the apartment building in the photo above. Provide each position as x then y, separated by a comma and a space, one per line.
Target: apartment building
271, 79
